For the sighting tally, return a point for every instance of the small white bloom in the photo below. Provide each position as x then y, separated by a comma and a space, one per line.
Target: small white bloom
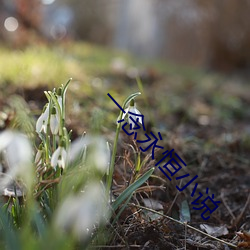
100, 155
98, 152
133, 110
42, 122
17, 152
79, 214
59, 157
54, 121
59, 99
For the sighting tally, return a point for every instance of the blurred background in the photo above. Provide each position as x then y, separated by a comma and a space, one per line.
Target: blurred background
212, 34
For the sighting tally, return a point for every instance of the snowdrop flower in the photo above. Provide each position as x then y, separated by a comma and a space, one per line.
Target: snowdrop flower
17, 152
42, 122
98, 152
59, 97
132, 108
79, 214
54, 121
59, 157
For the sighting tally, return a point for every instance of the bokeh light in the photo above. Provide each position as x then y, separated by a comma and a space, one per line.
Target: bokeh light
48, 2
11, 24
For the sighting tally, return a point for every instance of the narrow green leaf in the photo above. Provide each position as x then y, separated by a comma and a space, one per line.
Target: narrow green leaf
132, 96
128, 191
10, 236
185, 212
65, 87
122, 209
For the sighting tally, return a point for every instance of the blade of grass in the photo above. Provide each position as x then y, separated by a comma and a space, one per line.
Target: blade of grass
11, 239
122, 209
128, 191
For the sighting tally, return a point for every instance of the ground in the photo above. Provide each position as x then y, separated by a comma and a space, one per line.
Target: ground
202, 115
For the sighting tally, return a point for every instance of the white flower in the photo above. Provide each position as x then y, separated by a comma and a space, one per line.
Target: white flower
42, 122
54, 121
134, 110
79, 214
98, 152
100, 155
59, 99
17, 152
59, 158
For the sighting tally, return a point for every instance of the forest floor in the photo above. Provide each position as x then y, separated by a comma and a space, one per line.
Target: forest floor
202, 115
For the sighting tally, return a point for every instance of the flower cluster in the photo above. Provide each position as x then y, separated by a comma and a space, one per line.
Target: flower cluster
52, 151
56, 151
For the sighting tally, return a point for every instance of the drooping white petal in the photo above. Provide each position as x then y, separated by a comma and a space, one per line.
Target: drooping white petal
5, 139
79, 214
42, 121
98, 152
63, 159
39, 123
59, 157
59, 99
135, 117
18, 156
54, 124
77, 148
101, 154
19, 151
55, 156
44, 127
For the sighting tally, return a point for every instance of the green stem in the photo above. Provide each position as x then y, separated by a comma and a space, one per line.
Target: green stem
118, 128
65, 87
112, 164
54, 142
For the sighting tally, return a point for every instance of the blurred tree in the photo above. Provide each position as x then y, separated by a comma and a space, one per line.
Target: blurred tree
25, 22
29, 14
92, 20
229, 34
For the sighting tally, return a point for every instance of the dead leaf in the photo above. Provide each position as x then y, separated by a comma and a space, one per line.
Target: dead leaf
245, 236
213, 230
152, 204
155, 205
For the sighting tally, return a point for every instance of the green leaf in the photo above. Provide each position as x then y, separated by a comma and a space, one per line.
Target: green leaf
122, 209
128, 191
10, 236
185, 212
132, 96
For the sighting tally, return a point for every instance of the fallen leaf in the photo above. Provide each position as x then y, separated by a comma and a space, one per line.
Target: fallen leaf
245, 236
152, 204
214, 230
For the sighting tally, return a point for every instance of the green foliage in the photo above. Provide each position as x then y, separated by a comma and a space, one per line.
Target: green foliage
132, 188
66, 206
